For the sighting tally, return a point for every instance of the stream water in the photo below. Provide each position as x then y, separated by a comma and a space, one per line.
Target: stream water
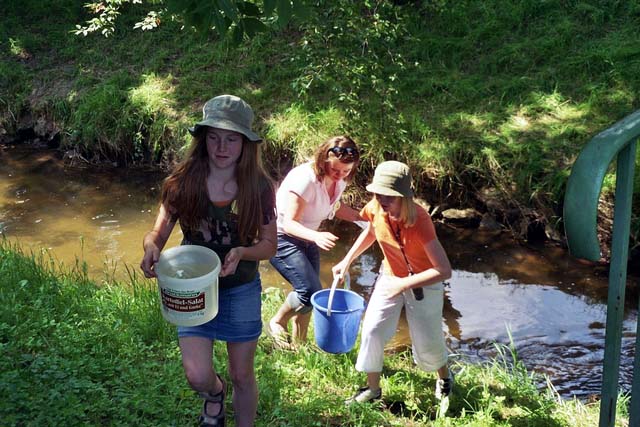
552, 306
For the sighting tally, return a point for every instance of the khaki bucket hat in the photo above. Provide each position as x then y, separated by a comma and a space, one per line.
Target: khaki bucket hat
391, 178
228, 112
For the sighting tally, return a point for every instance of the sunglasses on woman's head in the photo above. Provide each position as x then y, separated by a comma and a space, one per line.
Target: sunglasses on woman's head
339, 152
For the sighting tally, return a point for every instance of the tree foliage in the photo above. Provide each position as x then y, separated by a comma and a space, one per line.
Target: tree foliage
234, 18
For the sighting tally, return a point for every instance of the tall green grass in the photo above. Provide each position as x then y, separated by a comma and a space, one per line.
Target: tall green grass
75, 352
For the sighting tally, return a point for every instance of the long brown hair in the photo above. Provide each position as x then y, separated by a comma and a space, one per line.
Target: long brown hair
185, 190
323, 154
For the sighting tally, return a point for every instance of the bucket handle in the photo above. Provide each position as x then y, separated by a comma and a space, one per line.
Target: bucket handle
334, 285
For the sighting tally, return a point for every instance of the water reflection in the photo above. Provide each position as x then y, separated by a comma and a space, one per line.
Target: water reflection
554, 307
96, 216
554, 332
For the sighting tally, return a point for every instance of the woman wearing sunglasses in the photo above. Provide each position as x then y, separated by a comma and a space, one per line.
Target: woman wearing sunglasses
414, 267
309, 194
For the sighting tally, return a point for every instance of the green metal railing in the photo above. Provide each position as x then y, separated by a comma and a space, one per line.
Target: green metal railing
580, 219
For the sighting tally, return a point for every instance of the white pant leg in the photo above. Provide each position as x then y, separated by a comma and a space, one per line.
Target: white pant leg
425, 327
378, 327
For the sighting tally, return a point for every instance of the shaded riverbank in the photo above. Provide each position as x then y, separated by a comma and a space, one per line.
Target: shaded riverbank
490, 103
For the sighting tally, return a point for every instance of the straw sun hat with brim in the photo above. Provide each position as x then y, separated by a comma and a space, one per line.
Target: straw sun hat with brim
228, 112
391, 179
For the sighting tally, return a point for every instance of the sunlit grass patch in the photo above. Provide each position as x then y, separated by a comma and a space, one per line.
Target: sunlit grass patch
17, 49
82, 351
578, 414
301, 131
153, 94
153, 102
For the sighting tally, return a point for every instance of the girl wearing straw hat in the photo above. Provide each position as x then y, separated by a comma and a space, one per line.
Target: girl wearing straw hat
414, 267
224, 201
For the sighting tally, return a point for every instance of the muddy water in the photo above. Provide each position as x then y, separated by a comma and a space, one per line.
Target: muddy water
553, 307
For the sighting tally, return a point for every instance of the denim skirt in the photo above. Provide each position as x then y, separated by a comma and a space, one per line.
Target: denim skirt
239, 315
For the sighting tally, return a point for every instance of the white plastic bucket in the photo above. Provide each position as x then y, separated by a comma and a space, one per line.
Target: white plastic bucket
188, 284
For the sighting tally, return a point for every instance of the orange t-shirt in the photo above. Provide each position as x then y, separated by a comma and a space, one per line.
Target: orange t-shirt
413, 239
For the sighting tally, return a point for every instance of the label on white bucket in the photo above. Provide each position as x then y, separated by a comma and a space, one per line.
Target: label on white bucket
184, 301
188, 284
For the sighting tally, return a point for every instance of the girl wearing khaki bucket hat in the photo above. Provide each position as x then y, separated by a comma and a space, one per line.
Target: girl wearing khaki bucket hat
224, 200
414, 267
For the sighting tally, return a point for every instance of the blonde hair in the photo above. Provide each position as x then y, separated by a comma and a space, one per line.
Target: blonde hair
408, 211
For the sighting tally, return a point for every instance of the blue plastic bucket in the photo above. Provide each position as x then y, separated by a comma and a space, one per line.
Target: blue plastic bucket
337, 333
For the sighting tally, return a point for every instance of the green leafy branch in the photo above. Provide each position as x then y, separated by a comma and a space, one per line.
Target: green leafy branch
235, 18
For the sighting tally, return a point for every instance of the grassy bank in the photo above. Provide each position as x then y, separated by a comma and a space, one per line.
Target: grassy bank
493, 97
76, 353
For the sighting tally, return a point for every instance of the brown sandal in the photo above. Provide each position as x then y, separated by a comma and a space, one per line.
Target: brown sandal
217, 420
